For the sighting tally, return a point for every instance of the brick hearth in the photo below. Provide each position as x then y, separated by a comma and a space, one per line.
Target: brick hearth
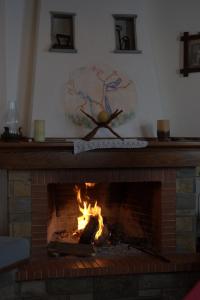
40, 268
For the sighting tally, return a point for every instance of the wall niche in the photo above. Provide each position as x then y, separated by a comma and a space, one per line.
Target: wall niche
125, 33
62, 32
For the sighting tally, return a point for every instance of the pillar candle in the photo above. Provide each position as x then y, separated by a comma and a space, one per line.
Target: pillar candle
39, 130
163, 129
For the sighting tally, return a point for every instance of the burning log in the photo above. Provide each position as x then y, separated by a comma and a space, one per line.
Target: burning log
88, 234
61, 248
90, 223
104, 237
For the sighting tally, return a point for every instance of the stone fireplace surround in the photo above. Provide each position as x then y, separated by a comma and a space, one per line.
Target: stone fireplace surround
41, 266
170, 159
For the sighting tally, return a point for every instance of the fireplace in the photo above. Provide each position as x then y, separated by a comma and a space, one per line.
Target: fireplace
122, 214
162, 175
156, 182
138, 206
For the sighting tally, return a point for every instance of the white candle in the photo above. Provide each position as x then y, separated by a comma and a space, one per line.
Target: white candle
39, 130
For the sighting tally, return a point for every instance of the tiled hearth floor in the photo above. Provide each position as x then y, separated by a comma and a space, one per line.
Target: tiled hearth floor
43, 268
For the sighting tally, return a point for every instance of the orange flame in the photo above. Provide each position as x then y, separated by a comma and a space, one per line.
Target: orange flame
90, 184
88, 210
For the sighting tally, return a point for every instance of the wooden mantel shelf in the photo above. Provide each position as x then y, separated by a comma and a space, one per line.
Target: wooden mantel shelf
54, 154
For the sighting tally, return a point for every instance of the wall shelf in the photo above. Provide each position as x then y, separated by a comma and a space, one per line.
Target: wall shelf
127, 51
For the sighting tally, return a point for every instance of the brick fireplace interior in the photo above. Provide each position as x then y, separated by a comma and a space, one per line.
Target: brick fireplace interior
131, 212
141, 202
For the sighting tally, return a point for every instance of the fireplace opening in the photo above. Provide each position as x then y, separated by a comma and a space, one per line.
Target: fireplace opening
103, 219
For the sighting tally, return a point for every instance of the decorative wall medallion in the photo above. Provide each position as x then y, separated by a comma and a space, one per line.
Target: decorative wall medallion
96, 89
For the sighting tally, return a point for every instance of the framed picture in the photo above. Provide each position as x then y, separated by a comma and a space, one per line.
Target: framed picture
191, 53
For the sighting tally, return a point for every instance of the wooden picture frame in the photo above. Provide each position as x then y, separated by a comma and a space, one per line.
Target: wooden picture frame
191, 53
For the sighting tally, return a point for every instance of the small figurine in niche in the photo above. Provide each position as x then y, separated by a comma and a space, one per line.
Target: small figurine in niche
124, 41
118, 30
63, 41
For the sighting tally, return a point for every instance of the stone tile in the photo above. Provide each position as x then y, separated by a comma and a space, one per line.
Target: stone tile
198, 171
186, 243
185, 185
185, 212
30, 298
114, 287
20, 218
7, 292
20, 205
70, 286
58, 297
20, 229
111, 296
20, 175
22, 189
167, 280
186, 172
185, 201
185, 223
7, 278
154, 293
11, 189
175, 294
33, 289
47, 297
81, 297
136, 298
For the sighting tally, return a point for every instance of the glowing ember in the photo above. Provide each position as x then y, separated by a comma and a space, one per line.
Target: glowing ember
88, 210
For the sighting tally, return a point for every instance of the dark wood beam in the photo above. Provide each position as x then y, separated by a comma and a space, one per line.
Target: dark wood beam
59, 155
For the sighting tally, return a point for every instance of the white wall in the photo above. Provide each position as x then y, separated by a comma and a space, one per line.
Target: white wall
162, 91
94, 38
2, 65
14, 11
180, 96
17, 23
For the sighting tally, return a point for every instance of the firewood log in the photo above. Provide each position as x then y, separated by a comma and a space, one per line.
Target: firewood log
88, 234
71, 249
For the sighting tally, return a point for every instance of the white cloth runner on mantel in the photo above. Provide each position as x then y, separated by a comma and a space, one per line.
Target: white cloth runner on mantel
81, 146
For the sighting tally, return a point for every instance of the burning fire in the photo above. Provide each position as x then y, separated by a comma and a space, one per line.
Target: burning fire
88, 210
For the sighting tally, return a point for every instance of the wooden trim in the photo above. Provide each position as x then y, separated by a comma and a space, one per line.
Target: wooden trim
59, 155
66, 144
3, 203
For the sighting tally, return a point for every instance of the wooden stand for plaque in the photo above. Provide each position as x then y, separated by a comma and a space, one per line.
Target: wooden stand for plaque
99, 125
